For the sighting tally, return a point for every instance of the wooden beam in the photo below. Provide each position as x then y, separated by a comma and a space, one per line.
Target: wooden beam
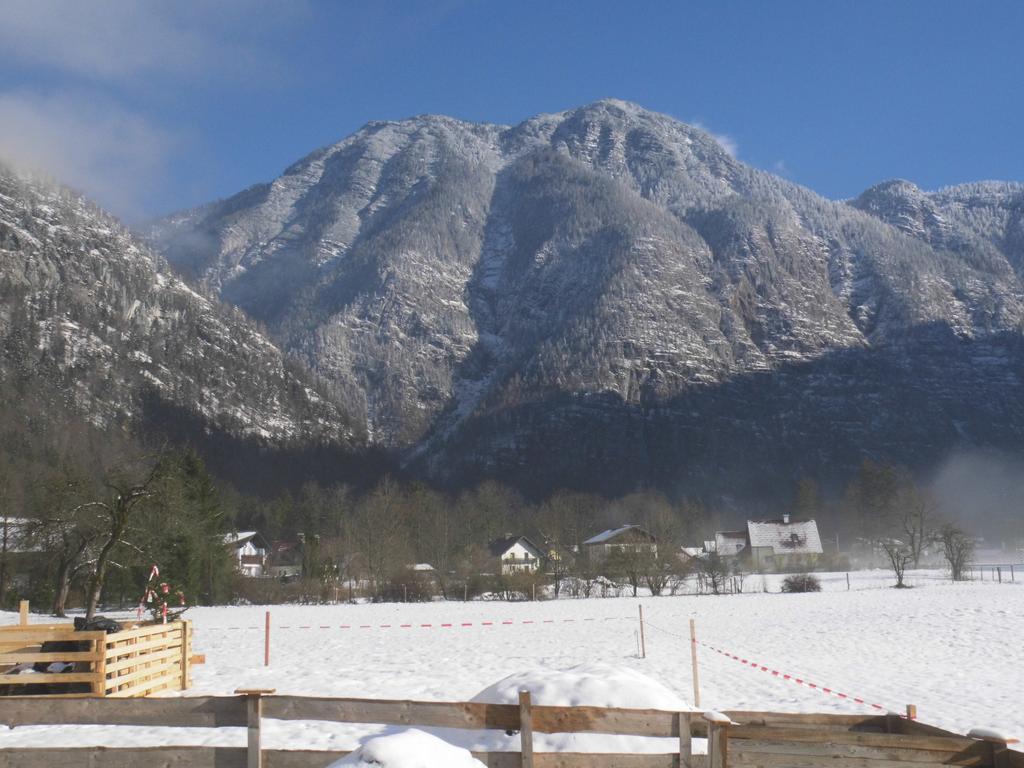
23, 613
183, 712
525, 729
254, 716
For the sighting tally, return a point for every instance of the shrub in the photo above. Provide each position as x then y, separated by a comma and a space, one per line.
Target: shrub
801, 582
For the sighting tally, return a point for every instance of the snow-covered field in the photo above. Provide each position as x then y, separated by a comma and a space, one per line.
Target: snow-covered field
954, 650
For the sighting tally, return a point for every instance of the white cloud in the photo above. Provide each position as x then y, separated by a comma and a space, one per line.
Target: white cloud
779, 168
87, 142
726, 142
127, 41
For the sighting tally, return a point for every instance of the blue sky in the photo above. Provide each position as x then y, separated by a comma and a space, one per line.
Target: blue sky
151, 107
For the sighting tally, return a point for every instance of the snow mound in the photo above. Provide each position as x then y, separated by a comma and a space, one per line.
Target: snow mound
585, 685
409, 749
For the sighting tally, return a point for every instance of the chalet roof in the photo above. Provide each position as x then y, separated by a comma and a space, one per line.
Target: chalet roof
612, 533
499, 547
786, 537
241, 538
730, 542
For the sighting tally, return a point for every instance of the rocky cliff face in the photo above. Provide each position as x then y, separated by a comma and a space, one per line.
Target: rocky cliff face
605, 297
89, 314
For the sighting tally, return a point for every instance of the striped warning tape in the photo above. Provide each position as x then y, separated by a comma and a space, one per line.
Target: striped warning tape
427, 625
792, 678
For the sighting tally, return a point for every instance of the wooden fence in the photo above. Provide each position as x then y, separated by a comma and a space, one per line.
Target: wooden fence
135, 662
740, 739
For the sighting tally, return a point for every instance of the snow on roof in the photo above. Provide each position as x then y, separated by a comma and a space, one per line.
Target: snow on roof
499, 547
611, 533
786, 537
730, 542
239, 538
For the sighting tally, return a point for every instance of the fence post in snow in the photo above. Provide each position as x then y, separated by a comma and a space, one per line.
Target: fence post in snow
23, 613
643, 642
525, 729
254, 714
847, 581
911, 711
266, 640
685, 740
693, 661
999, 570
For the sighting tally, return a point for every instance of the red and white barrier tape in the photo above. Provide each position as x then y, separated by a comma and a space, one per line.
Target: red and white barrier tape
431, 625
793, 678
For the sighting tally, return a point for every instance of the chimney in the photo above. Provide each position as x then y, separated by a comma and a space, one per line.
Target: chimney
785, 518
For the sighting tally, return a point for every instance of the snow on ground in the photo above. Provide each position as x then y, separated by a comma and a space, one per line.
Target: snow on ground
411, 748
954, 650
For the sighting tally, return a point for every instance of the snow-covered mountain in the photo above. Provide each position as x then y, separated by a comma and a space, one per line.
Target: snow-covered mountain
91, 315
606, 296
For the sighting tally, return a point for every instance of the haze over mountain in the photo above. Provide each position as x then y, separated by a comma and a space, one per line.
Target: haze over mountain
93, 322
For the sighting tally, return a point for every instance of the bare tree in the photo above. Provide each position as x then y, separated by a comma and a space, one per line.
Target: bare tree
958, 548
899, 556
128, 487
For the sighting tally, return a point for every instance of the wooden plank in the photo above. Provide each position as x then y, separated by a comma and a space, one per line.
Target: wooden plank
174, 628
133, 757
975, 754
436, 714
637, 722
146, 645
178, 712
37, 637
300, 758
685, 740
171, 654
762, 760
38, 678
890, 740
144, 686
141, 670
525, 730
23, 658
473, 715
802, 719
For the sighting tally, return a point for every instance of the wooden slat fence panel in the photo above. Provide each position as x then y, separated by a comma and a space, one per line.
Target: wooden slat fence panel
127, 757
976, 754
183, 712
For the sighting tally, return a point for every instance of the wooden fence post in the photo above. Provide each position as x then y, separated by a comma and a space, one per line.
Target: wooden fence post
186, 654
99, 667
254, 713
266, 641
693, 662
999, 744
643, 641
23, 613
685, 741
525, 729
718, 740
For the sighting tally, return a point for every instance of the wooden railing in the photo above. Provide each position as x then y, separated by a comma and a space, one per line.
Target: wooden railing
741, 739
135, 662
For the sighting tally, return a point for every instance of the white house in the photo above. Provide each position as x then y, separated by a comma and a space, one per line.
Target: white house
515, 554
780, 543
250, 552
626, 538
783, 543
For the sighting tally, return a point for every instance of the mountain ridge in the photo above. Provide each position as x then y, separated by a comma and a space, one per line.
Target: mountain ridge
436, 270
